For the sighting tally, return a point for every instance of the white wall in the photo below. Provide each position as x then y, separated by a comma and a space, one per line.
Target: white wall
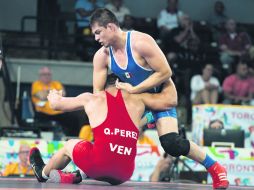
11, 12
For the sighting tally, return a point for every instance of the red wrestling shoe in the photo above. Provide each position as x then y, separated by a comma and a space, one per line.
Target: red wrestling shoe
57, 176
219, 176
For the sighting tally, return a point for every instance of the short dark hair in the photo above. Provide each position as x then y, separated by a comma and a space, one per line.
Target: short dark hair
216, 120
111, 79
103, 16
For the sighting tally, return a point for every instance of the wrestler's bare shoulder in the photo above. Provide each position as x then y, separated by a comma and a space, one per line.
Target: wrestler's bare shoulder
140, 38
97, 99
103, 52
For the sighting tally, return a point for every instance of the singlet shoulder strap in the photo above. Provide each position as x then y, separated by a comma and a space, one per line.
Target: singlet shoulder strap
120, 100
111, 52
128, 47
111, 103
116, 104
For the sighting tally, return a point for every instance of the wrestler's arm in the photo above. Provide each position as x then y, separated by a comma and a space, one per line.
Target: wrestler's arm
60, 103
164, 100
147, 48
100, 70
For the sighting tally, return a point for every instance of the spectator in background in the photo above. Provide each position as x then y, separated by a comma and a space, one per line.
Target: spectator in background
168, 19
162, 169
21, 168
185, 53
218, 19
216, 124
84, 9
238, 87
180, 37
70, 121
128, 23
205, 87
233, 45
40, 90
117, 7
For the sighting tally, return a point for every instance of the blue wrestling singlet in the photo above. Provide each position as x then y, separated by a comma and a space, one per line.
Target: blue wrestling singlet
135, 74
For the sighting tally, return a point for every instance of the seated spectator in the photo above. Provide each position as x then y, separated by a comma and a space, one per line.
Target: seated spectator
205, 87
84, 9
216, 124
40, 90
70, 121
182, 37
233, 45
238, 87
168, 19
117, 7
21, 168
162, 169
128, 23
186, 54
218, 19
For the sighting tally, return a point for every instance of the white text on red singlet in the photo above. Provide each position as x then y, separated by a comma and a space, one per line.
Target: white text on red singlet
119, 149
121, 132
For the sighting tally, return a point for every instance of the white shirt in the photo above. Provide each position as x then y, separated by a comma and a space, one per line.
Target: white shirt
168, 20
198, 83
118, 13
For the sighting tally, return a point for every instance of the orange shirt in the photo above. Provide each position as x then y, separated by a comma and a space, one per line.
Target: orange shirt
86, 133
43, 106
146, 140
16, 169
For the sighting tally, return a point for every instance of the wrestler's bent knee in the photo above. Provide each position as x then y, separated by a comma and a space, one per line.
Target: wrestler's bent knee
174, 144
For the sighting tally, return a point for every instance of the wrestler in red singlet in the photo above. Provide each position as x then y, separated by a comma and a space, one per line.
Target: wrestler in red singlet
111, 157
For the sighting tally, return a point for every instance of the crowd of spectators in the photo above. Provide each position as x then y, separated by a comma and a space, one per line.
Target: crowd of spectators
211, 59
213, 47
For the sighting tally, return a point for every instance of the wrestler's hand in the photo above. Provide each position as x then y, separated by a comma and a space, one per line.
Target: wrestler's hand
124, 86
54, 97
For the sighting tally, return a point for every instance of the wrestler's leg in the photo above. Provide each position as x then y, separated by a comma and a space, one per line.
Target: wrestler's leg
176, 145
62, 158
167, 125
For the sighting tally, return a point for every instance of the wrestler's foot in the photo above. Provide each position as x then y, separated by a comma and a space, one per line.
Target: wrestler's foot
37, 163
57, 176
219, 176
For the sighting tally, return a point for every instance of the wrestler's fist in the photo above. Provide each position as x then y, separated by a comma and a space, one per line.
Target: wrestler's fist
54, 97
124, 86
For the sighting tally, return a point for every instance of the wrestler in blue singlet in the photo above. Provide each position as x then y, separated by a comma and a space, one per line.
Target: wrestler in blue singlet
135, 74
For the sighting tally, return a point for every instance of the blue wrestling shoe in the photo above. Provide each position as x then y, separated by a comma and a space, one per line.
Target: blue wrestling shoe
37, 163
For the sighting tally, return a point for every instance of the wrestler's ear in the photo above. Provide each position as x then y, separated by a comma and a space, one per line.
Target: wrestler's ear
117, 83
111, 26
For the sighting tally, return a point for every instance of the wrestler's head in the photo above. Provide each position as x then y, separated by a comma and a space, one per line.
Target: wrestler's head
111, 80
104, 25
